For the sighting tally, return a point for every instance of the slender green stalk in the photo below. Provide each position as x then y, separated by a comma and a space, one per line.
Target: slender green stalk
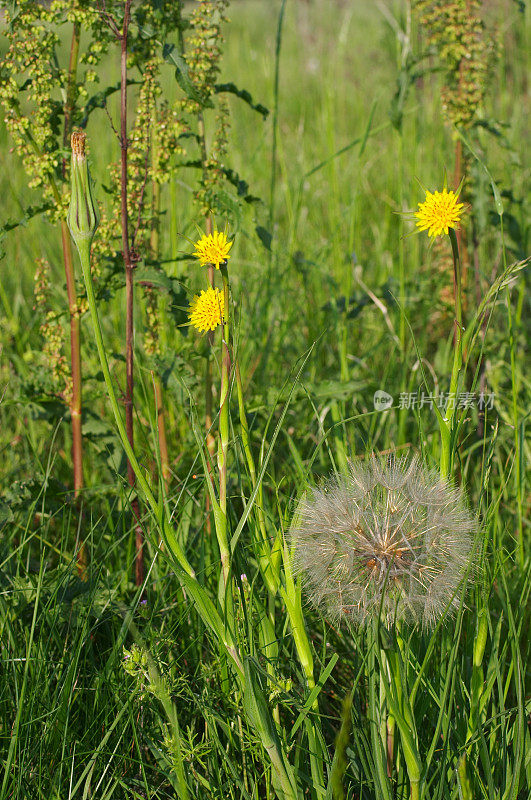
84, 254
447, 423
276, 93
248, 452
477, 685
520, 552
204, 606
383, 790
393, 677
223, 444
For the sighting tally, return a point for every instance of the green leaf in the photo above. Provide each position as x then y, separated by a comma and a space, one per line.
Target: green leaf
171, 54
244, 95
323, 677
29, 213
265, 236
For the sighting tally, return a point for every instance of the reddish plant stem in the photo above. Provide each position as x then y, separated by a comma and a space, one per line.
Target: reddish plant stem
129, 295
75, 333
75, 359
210, 439
157, 383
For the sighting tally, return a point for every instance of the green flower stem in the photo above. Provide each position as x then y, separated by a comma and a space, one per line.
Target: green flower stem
265, 553
223, 444
516, 426
477, 688
292, 597
206, 609
393, 676
243, 423
84, 255
446, 422
374, 712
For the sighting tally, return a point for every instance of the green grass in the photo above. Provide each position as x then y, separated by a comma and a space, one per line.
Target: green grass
74, 721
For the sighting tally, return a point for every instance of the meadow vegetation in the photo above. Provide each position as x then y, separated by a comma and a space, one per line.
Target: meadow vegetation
263, 503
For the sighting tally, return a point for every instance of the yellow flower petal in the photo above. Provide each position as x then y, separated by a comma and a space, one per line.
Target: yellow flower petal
205, 310
439, 212
213, 249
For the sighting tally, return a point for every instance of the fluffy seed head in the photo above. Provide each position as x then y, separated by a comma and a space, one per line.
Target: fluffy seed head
390, 535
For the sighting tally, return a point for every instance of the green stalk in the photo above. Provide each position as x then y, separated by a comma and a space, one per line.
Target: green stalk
265, 554
520, 554
84, 255
223, 445
446, 424
291, 594
393, 677
381, 781
477, 687
204, 606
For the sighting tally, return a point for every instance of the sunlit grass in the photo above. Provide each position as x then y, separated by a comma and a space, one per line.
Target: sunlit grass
233, 687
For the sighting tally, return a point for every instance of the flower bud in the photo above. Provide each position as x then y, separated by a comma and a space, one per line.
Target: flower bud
480, 641
83, 217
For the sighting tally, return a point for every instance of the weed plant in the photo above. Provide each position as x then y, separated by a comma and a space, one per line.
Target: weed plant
262, 296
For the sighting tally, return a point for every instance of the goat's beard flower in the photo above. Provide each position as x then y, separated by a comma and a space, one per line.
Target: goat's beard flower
213, 249
439, 212
205, 310
392, 536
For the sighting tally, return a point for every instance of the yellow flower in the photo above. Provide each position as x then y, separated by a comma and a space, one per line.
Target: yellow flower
205, 310
439, 212
213, 249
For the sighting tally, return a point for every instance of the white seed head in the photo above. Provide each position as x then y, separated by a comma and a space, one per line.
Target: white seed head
390, 535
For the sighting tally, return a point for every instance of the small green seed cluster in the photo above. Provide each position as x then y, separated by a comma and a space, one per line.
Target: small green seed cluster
27, 62
152, 339
167, 142
29, 80
139, 155
53, 334
203, 59
154, 141
205, 44
455, 29
136, 664
207, 196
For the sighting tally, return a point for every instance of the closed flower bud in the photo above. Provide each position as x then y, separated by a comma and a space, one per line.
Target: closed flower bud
83, 217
